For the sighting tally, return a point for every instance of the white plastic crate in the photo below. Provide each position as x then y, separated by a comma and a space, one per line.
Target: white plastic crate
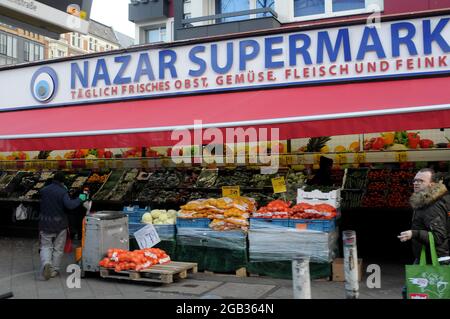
317, 194
335, 202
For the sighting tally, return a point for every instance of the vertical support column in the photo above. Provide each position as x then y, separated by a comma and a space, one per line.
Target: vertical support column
300, 278
350, 264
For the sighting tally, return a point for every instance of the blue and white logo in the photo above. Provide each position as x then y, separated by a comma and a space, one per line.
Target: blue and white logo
44, 84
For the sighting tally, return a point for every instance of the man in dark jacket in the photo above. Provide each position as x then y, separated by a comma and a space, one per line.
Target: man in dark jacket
53, 224
431, 204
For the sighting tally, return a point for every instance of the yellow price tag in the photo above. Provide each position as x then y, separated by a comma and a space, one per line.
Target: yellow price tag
48, 164
298, 167
290, 160
101, 164
89, 163
231, 191
119, 164
144, 163
28, 165
317, 158
69, 164
360, 158
279, 185
166, 162
401, 157
341, 158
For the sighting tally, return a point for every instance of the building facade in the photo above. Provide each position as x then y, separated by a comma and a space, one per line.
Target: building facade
20, 46
170, 20
99, 39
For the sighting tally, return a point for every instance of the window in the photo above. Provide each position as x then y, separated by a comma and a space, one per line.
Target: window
343, 5
264, 4
319, 9
156, 35
76, 40
8, 48
61, 53
91, 44
33, 51
230, 6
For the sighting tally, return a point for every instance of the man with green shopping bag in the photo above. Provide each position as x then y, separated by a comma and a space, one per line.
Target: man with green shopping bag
431, 204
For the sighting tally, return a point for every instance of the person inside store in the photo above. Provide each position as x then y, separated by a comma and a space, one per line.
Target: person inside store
323, 176
53, 224
431, 203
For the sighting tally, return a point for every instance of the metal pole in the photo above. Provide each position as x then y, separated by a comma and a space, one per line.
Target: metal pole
350, 264
300, 278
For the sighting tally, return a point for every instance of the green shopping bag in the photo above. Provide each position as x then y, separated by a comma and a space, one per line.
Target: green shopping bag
428, 281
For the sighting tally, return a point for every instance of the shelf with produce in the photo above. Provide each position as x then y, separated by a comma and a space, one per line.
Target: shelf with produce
285, 160
380, 188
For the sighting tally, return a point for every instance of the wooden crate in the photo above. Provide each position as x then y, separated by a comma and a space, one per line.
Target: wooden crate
164, 274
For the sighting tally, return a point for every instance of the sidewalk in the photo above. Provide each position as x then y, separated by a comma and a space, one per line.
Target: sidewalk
19, 265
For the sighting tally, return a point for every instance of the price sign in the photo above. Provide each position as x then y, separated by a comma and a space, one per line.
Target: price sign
401, 157
28, 165
283, 160
101, 164
279, 185
298, 167
341, 159
119, 164
147, 237
317, 158
48, 164
89, 163
69, 164
231, 191
360, 158
290, 160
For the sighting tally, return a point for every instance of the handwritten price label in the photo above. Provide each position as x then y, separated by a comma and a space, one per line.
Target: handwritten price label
360, 158
231, 191
89, 163
341, 158
69, 164
119, 164
279, 185
401, 157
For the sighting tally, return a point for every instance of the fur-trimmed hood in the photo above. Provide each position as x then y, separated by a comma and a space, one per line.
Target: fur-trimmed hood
428, 197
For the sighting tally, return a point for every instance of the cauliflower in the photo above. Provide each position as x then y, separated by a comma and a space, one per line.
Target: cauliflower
147, 218
156, 213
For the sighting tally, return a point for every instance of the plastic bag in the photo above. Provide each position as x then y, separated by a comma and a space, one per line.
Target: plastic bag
68, 246
21, 212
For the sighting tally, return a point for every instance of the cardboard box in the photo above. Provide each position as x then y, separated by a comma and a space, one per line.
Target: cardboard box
338, 269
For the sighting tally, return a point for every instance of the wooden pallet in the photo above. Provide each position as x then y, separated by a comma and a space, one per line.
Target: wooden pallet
241, 272
164, 274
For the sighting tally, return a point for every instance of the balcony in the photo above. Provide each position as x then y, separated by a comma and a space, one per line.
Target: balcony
148, 10
253, 20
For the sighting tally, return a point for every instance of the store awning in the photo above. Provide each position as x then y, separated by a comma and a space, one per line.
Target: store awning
298, 112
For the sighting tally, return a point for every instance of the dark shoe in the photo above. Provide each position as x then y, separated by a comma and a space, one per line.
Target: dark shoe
47, 272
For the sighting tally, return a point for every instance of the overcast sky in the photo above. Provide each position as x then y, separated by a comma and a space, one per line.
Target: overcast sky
113, 13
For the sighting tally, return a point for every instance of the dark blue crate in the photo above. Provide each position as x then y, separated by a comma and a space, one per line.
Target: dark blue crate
134, 227
193, 222
166, 232
256, 223
323, 225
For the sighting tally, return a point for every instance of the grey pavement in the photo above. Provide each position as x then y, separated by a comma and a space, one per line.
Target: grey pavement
19, 267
